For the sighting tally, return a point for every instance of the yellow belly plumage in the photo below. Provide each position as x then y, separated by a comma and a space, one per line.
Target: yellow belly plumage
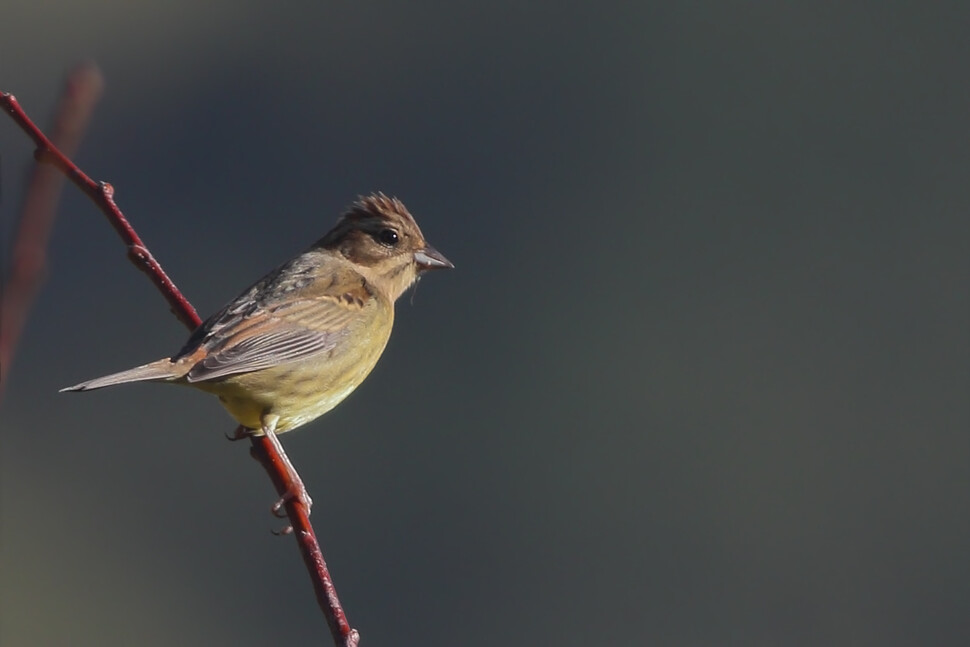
300, 391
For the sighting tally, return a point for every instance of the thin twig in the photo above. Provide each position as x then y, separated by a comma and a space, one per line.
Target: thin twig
102, 194
299, 517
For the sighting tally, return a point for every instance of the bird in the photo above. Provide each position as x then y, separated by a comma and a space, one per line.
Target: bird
297, 342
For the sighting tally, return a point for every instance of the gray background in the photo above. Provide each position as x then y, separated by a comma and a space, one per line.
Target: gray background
700, 377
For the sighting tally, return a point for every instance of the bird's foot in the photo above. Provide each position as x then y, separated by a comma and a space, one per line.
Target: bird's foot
296, 493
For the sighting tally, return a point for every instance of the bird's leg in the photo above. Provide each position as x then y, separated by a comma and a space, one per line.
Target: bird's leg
295, 490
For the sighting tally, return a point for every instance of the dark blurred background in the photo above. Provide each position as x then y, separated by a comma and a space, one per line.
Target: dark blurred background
700, 377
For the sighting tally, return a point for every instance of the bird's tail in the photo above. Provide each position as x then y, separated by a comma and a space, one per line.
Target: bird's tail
163, 369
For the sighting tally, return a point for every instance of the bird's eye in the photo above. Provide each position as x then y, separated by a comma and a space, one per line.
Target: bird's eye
387, 237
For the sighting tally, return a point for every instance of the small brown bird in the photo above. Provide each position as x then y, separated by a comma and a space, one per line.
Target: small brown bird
296, 343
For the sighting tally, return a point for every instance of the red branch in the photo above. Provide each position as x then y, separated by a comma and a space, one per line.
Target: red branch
102, 194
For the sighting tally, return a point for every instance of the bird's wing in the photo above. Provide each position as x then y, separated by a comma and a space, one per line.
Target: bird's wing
252, 334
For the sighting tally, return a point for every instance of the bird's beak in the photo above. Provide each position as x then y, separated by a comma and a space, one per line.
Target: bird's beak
430, 258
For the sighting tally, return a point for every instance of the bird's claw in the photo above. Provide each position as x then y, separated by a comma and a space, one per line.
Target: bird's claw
278, 509
239, 434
